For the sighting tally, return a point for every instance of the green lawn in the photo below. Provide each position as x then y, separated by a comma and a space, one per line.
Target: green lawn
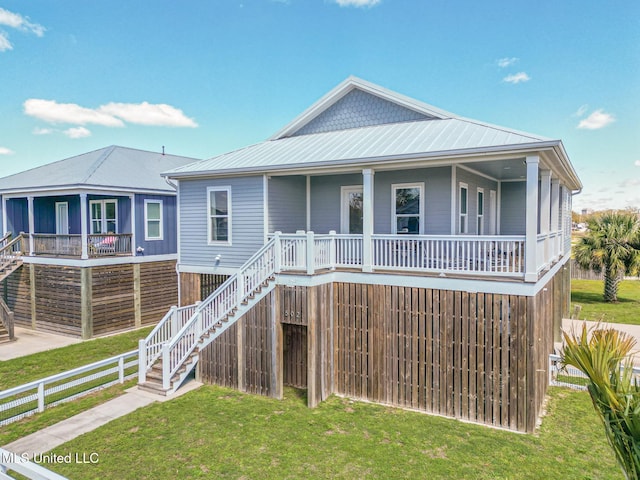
215, 432
588, 294
22, 370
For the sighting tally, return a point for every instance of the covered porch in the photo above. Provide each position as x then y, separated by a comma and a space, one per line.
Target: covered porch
504, 217
72, 224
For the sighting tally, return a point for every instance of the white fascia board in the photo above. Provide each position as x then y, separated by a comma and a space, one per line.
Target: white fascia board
98, 262
78, 189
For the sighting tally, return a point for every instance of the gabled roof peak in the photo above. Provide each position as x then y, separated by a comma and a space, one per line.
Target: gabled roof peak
347, 86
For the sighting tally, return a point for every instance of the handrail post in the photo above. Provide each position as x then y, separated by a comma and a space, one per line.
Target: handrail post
166, 381
142, 361
311, 253
277, 245
121, 369
332, 250
174, 321
41, 397
240, 286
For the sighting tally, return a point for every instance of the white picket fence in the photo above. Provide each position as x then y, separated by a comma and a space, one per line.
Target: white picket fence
19, 402
571, 377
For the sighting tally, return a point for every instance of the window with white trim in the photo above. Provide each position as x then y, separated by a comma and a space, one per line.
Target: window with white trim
480, 215
153, 226
104, 216
407, 208
219, 214
463, 201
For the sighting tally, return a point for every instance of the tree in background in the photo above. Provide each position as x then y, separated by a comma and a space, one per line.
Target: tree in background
611, 244
615, 395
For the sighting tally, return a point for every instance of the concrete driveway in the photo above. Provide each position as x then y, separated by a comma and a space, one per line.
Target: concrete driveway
633, 330
31, 341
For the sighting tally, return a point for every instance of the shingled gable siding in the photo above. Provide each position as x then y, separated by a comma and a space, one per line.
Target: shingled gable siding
288, 203
359, 109
247, 222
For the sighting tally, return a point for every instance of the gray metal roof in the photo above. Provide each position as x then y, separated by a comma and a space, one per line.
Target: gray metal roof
112, 167
433, 133
368, 143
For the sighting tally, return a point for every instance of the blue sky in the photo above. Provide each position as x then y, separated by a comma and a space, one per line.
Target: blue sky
205, 77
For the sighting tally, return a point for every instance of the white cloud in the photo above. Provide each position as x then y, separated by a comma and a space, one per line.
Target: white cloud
507, 61
77, 132
517, 78
5, 44
109, 115
15, 20
582, 110
53, 112
637, 163
357, 3
6, 151
42, 131
596, 120
147, 114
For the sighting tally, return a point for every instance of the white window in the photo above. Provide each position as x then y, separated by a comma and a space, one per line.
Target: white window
480, 223
219, 214
407, 208
153, 227
463, 200
104, 216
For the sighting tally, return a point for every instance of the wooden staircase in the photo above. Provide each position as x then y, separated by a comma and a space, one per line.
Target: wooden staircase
166, 359
10, 261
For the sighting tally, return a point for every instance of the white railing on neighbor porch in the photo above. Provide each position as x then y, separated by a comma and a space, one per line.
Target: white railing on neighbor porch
98, 245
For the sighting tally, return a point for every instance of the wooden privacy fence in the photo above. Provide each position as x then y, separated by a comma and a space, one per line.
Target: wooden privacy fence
19, 402
578, 273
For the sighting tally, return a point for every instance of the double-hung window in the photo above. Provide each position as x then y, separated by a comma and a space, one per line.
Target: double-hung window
464, 207
219, 214
153, 227
104, 216
408, 210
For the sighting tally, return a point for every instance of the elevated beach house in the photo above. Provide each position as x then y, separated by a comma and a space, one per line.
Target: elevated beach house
377, 248
90, 242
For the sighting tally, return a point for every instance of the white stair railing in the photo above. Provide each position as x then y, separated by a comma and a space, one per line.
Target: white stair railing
10, 252
235, 291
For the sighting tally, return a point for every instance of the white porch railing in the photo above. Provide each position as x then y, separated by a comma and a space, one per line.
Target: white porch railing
33, 397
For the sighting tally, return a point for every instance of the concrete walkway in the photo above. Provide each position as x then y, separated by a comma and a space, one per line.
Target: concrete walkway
32, 341
51, 437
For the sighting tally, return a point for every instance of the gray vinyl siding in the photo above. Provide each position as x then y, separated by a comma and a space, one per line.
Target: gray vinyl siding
513, 208
169, 242
287, 204
325, 200
437, 198
473, 182
247, 222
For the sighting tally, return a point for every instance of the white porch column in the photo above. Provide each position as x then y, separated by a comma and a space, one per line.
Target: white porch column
4, 217
83, 226
367, 219
132, 199
531, 229
555, 217
31, 223
545, 213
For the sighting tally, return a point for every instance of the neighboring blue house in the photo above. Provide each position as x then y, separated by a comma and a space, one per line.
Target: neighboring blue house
379, 248
104, 211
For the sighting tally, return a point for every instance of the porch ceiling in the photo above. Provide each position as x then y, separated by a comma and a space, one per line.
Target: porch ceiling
511, 169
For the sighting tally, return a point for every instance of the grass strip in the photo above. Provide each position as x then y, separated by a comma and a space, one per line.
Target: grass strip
215, 432
588, 294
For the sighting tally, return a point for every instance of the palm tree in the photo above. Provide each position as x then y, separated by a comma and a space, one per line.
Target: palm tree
615, 395
612, 244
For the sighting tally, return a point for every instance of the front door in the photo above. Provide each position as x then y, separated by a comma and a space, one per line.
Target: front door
62, 218
351, 212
